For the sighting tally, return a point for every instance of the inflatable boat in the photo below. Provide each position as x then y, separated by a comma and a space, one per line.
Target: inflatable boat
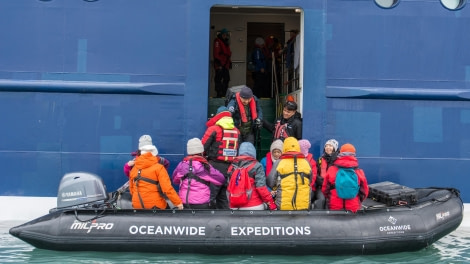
89, 219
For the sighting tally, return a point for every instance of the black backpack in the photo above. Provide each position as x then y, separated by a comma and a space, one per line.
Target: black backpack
231, 91
191, 176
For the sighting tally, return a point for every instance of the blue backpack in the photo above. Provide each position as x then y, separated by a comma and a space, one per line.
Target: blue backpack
346, 183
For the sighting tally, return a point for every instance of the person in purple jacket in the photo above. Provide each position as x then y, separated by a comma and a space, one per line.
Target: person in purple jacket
194, 175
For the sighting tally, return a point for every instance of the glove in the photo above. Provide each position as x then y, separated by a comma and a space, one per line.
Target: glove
258, 123
266, 197
272, 206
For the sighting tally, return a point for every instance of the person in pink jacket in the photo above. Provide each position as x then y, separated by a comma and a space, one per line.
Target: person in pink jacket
194, 175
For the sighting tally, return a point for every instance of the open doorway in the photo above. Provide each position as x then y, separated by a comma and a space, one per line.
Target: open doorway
244, 25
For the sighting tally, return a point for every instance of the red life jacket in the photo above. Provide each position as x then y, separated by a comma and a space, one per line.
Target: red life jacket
313, 165
269, 163
228, 147
252, 106
291, 154
312, 162
323, 167
280, 131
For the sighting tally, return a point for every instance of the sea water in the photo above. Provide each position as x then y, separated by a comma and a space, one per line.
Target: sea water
453, 248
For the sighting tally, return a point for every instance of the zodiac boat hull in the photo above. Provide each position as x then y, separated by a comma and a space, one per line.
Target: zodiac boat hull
375, 230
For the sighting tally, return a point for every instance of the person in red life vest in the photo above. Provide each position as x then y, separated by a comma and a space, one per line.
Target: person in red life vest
346, 159
144, 140
194, 175
289, 124
275, 152
221, 141
260, 194
304, 148
222, 62
330, 153
149, 183
318, 200
246, 112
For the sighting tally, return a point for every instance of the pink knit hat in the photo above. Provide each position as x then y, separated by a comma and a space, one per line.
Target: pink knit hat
304, 146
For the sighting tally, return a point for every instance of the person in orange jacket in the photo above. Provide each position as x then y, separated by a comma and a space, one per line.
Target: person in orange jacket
149, 182
143, 141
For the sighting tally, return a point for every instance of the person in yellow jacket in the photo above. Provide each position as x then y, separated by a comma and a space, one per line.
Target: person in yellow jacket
149, 182
291, 177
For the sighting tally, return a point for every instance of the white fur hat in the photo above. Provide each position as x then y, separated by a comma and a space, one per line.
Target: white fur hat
149, 148
144, 141
195, 146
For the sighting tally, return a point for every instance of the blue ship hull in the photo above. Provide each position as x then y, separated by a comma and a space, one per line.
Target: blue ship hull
81, 81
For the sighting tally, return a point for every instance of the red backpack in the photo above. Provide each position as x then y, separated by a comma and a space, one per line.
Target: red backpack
239, 186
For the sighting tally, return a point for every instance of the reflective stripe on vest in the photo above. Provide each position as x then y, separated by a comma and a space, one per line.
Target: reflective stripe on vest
280, 131
228, 148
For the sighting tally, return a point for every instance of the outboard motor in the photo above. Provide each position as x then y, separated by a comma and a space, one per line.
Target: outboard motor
81, 190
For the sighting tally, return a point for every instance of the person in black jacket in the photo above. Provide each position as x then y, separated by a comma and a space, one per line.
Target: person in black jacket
289, 124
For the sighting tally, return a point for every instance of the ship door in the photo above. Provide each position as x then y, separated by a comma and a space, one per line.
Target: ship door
275, 27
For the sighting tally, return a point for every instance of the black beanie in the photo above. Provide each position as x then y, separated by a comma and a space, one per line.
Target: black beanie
246, 93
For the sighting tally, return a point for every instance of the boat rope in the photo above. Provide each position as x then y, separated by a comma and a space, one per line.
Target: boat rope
190, 177
294, 197
99, 215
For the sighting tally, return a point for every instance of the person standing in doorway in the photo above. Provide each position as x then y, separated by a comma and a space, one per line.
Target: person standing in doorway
222, 62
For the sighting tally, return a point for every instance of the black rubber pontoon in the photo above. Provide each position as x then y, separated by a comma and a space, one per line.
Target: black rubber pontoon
376, 229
